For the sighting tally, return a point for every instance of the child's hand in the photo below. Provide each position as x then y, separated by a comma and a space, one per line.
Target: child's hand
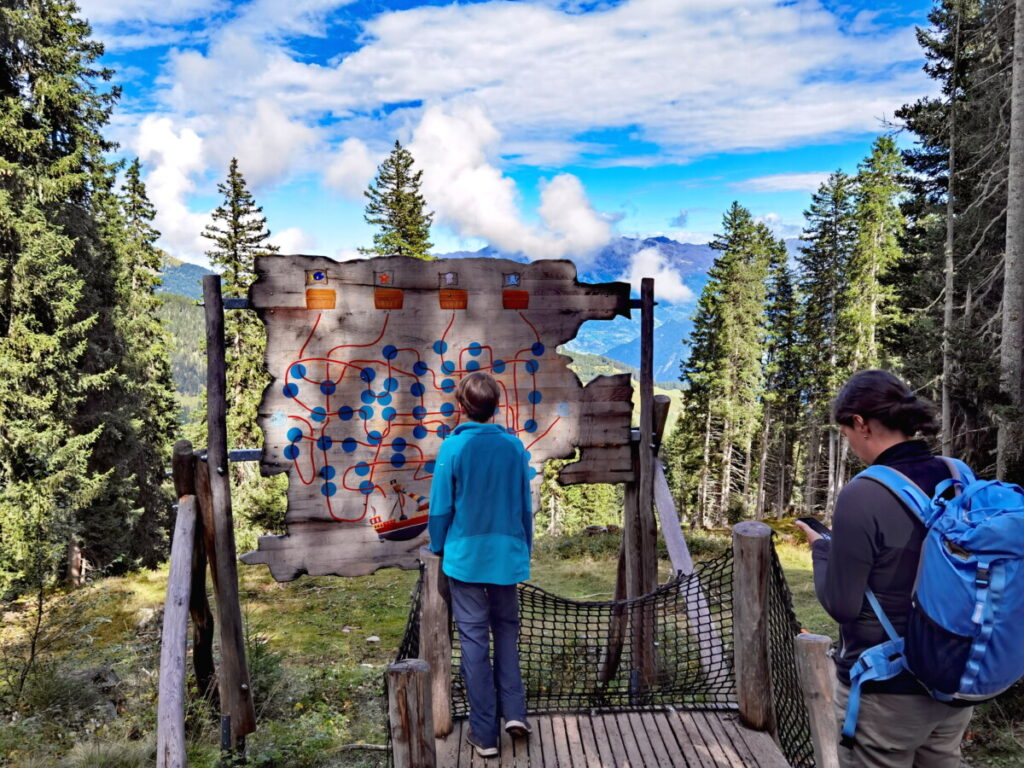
811, 534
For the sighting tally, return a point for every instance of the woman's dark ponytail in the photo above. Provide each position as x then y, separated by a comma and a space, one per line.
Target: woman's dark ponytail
880, 395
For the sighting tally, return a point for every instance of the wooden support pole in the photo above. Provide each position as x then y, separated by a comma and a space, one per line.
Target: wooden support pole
662, 404
183, 463
751, 548
645, 495
409, 711
436, 640
170, 717
816, 673
235, 691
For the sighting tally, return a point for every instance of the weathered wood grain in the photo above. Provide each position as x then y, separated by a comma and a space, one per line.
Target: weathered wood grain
435, 638
751, 563
409, 711
816, 674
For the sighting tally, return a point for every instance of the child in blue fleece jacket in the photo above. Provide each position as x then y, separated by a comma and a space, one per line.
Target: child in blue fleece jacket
481, 521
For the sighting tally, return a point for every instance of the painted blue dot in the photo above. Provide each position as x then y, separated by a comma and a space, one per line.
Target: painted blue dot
419, 412
367, 374
531, 472
534, 397
448, 367
472, 365
417, 389
398, 444
474, 348
419, 431
447, 385
294, 434
291, 452
498, 366
349, 444
440, 347
373, 437
447, 409
532, 366
298, 371
362, 469
327, 387
324, 443
443, 431
530, 425
384, 399
391, 384
328, 489
367, 397
366, 413
388, 414
327, 472
428, 467
419, 368
290, 390
537, 348
345, 412
397, 460
319, 413
366, 487
390, 352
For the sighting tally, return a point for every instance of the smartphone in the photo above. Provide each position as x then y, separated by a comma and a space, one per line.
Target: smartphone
817, 526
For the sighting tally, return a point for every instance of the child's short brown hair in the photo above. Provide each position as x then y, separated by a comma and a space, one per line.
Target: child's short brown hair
478, 394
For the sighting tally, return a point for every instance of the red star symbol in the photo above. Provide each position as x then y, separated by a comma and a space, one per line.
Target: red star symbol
384, 278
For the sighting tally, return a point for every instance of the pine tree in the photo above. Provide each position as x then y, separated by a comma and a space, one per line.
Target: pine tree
239, 235
51, 164
398, 209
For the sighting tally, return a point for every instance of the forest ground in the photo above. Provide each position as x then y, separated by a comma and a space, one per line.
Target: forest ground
317, 650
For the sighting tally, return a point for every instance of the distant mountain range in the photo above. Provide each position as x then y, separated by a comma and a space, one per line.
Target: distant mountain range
618, 339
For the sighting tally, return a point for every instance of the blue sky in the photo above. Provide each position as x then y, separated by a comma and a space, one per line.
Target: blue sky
546, 127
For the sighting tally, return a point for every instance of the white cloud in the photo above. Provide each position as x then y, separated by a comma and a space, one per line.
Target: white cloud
783, 182
172, 156
668, 285
348, 254
778, 226
468, 192
293, 240
351, 169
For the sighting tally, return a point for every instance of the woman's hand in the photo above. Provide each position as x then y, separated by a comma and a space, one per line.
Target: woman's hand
811, 534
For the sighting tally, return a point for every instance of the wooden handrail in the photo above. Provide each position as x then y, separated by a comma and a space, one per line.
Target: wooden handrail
751, 568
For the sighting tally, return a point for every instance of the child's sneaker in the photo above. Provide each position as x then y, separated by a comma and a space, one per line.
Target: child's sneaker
480, 748
517, 729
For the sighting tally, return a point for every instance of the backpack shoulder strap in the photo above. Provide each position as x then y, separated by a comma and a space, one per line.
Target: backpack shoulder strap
960, 471
902, 487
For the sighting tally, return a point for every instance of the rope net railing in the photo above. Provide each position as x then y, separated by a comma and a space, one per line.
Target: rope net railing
585, 656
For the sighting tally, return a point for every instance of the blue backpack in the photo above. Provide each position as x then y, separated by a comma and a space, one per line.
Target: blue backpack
964, 633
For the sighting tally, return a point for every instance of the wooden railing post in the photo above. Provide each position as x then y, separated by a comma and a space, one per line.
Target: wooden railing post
436, 640
751, 568
170, 729
409, 711
235, 691
816, 673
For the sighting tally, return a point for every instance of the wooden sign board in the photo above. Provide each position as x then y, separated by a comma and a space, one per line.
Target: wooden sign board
365, 356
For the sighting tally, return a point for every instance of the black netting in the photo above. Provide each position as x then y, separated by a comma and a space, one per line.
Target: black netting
791, 719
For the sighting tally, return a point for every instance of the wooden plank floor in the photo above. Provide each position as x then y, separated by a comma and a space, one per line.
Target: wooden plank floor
665, 739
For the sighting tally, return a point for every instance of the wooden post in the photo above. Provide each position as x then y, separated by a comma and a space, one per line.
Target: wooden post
409, 710
235, 691
648, 562
816, 673
183, 463
170, 717
662, 404
751, 548
436, 640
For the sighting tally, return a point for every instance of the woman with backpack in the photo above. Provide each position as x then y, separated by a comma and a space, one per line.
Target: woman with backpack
875, 545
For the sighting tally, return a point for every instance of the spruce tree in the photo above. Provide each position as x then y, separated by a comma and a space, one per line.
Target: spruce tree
398, 209
239, 234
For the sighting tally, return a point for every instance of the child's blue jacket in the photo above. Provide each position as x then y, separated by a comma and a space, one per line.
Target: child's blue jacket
481, 516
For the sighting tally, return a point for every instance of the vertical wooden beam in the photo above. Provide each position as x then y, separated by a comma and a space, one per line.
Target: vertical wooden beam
235, 691
409, 711
170, 718
436, 640
662, 404
645, 496
751, 548
816, 673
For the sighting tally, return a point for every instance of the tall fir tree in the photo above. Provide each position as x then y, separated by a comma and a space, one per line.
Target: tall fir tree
398, 209
239, 234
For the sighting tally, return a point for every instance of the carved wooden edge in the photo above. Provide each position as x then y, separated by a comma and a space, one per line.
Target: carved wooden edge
610, 460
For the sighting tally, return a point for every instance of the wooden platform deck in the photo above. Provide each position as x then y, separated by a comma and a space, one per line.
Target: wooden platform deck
663, 739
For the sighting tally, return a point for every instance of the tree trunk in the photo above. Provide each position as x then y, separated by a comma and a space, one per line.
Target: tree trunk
723, 505
784, 464
748, 449
950, 266
763, 465
702, 495
813, 454
1010, 441
830, 488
